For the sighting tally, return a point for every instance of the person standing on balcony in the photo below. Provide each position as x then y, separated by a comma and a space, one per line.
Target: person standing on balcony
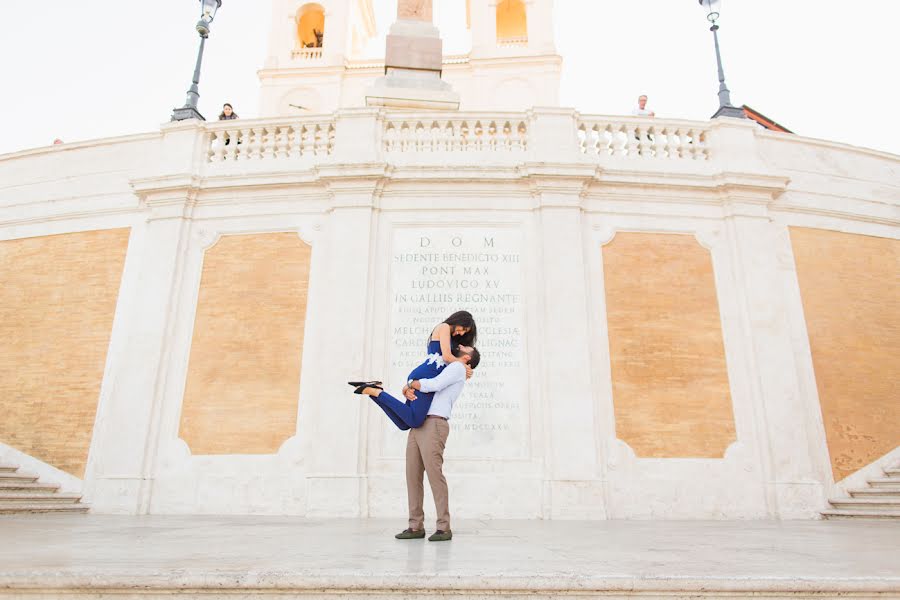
228, 114
641, 110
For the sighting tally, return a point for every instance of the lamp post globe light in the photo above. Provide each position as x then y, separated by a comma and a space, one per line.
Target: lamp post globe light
725, 107
189, 110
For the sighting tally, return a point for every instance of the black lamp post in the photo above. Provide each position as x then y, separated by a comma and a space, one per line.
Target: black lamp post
725, 107
189, 110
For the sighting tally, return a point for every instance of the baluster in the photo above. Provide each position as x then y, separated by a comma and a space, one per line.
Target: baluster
245, 142
584, 139
294, 137
267, 148
631, 140
660, 141
419, 139
320, 138
447, 137
283, 145
492, 136
329, 148
275, 143
217, 147
453, 133
696, 145
645, 146
618, 139
602, 140
590, 144
507, 136
259, 148
671, 148
404, 137
684, 149
522, 135
308, 141
479, 136
463, 137
231, 139
434, 137
390, 135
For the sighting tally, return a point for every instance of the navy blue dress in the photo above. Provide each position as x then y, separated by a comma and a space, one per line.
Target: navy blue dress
408, 414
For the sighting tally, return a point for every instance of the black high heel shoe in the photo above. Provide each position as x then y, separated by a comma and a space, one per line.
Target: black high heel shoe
364, 383
359, 390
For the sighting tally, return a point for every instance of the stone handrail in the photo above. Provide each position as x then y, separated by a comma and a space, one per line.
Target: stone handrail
643, 138
262, 139
458, 132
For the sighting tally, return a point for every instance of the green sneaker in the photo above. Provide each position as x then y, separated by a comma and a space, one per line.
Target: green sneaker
441, 536
410, 534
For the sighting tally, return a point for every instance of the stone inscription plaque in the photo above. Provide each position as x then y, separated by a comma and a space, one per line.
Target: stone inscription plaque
435, 272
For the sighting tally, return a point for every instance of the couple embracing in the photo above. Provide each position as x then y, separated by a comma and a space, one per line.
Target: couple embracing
430, 392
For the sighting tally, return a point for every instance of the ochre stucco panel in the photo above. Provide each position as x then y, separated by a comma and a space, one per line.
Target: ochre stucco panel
670, 382
58, 297
243, 381
850, 285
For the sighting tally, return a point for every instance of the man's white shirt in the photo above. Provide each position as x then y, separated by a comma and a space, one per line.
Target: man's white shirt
641, 112
448, 385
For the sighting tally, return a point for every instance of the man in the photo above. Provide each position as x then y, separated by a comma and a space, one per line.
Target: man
642, 110
425, 446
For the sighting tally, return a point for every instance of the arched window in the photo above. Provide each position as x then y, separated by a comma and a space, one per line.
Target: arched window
512, 25
310, 26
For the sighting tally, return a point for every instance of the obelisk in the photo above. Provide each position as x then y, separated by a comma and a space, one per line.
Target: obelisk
413, 63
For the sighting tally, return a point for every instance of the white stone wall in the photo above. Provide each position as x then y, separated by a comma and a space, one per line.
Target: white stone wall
549, 186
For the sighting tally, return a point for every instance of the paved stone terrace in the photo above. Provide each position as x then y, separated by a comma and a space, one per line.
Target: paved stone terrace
253, 557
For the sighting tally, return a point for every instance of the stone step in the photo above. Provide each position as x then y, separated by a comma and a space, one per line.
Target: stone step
888, 503
874, 492
892, 472
836, 513
37, 487
885, 482
29, 497
41, 507
18, 476
7, 468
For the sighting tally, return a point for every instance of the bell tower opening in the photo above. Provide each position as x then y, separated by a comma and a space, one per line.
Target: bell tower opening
310, 31
512, 23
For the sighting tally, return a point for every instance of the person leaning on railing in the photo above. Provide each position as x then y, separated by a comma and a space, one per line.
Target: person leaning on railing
228, 114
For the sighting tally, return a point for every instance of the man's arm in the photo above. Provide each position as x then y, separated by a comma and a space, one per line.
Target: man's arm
455, 372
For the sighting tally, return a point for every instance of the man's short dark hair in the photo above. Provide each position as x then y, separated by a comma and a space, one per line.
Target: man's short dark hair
476, 358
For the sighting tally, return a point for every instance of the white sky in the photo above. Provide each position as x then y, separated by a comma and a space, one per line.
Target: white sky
81, 69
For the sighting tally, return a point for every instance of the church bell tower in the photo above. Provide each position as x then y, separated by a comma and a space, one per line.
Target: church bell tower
310, 42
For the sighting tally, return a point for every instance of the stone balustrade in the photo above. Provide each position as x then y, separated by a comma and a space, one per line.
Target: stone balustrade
643, 138
264, 139
308, 53
513, 42
460, 132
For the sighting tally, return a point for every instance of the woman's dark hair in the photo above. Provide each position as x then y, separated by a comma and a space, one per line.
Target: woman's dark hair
463, 318
222, 115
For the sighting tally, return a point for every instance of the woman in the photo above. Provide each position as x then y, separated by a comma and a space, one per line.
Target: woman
457, 330
227, 113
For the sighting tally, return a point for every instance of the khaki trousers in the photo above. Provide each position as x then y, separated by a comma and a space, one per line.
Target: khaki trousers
425, 454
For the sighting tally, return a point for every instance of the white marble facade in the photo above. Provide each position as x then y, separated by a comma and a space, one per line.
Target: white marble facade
513, 209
